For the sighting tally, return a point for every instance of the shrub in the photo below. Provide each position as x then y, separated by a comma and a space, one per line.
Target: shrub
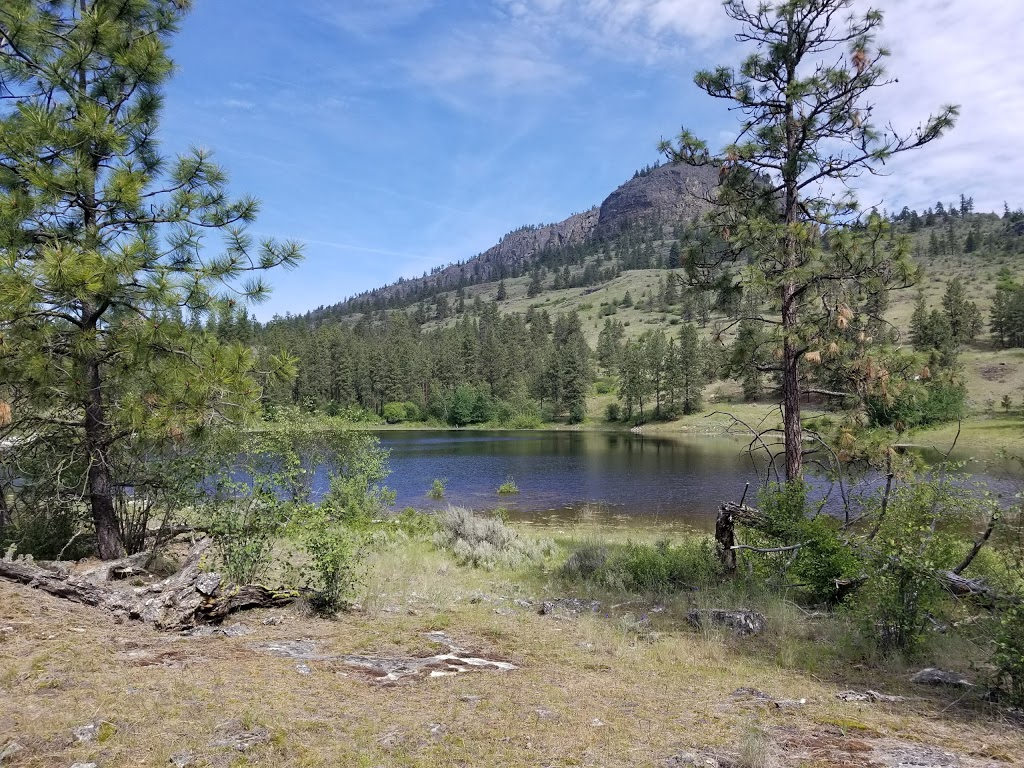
918, 405
1008, 658
613, 412
509, 487
486, 542
437, 488
393, 413
661, 568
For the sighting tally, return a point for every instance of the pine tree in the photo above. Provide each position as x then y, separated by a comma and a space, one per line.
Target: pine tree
101, 236
502, 293
964, 316
692, 365
806, 119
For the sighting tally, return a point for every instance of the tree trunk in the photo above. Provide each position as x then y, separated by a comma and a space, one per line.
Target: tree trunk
792, 429
100, 483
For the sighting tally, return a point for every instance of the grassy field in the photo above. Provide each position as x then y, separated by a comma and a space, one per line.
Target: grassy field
628, 684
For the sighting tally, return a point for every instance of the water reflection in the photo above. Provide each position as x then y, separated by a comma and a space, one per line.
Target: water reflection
612, 478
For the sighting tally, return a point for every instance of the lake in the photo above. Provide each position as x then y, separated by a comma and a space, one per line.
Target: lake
565, 476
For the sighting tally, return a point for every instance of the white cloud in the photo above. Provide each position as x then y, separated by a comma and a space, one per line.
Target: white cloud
946, 54
365, 18
943, 52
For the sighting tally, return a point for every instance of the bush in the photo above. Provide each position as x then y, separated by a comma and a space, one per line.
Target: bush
613, 412
486, 542
437, 488
393, 413
1008, 658
509, 487
661, 568
918, 405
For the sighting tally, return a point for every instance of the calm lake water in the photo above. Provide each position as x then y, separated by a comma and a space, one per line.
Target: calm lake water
614, 478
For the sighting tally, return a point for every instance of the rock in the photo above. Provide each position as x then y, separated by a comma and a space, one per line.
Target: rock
696, 760
524, 603
86, 733
437, 731
233, 737
568, 607
546, 714
740, 622
183, 759
205, 630
872, 696
272, 621
84, 765
10, 751
303, 669
208, 583
763, 697
935, 676
671, 192
304, 650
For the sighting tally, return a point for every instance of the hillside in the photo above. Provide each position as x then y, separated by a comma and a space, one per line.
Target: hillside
658, 197
492, 323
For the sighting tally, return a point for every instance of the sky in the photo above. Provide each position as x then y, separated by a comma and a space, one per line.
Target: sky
393, 136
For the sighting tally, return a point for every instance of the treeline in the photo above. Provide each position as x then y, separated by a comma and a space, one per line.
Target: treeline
515, 370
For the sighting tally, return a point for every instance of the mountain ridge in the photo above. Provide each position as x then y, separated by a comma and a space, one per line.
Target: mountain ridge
669, 193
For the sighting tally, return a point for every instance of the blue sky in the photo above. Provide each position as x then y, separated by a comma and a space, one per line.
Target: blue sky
392, 136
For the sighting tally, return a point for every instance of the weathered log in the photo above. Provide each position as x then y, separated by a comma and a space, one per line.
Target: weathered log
189, 597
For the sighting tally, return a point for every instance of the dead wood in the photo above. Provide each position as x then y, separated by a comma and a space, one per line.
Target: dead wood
191, 596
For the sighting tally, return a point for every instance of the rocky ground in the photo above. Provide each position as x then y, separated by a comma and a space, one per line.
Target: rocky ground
442, 666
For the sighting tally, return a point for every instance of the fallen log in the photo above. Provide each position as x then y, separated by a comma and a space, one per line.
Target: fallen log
189, 597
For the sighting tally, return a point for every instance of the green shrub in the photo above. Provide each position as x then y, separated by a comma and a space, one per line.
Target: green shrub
394, 413
661, 568
1008, 658
918, 404
437, 488
822, 558
509, 487
613, 412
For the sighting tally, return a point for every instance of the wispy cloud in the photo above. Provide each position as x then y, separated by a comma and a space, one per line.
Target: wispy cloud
365, 18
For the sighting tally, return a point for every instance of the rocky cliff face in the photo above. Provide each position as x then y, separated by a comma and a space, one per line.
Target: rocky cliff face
669, 193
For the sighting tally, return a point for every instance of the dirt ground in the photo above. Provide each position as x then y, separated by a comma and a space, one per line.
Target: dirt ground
280, 688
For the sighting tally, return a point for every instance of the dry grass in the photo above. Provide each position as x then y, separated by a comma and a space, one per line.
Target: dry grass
589, 691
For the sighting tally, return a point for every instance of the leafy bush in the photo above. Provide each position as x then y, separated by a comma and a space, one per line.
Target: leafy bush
821, 559
918, 405
661, 568
262, 494
486, 542
393, 412
437, 488
1008, 658
923, 533
509, 487
613, 412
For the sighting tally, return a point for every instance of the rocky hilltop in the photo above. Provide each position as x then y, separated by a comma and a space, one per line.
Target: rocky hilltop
668, 193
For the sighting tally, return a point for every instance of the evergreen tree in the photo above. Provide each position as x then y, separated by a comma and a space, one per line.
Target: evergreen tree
502, 293
101, 237
535, 286
807, 119
964, 316
692, 369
